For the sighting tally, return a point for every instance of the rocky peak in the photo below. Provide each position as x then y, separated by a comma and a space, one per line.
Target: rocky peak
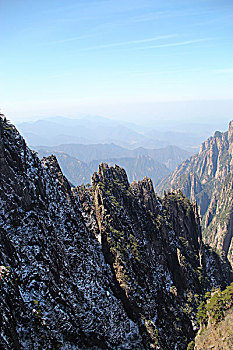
184, 217
52, 164
145, 184
218, 220
63, 287
217, 134
230, 130
9, 137
106, 173
144, 190
230, 140
203, 178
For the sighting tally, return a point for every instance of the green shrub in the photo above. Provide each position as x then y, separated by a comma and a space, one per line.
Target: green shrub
202, 317
191, 345
215, 306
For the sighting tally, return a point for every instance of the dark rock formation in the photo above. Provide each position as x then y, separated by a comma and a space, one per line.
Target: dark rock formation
110, 266
207, 179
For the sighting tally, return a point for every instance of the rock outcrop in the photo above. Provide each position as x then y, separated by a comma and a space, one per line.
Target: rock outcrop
215, 317
110, 266
207, 179
218, 336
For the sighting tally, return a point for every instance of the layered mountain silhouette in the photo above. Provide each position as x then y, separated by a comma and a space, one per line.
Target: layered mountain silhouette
207, 179
78, 162
106, 266
95, 129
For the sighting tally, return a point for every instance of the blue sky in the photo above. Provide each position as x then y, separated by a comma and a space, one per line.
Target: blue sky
116, 58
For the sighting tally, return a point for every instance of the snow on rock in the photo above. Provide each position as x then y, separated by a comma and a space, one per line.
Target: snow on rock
105, 267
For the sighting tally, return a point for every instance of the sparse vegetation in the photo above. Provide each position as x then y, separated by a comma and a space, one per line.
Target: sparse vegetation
215, 306
191, 345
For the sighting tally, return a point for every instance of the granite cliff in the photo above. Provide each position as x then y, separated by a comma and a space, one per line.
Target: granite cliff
108, 266
215, 316
207, 179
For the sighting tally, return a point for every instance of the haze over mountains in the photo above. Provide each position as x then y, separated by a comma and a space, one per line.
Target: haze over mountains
106, 266
78, 161
116, 232
94, 130
81, 144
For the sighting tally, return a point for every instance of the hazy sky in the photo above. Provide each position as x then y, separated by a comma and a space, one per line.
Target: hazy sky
121, 58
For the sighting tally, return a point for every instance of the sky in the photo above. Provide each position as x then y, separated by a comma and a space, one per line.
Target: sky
126, 59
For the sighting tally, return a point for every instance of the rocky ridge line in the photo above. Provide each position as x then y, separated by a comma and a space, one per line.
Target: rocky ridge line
207, 179
104, 267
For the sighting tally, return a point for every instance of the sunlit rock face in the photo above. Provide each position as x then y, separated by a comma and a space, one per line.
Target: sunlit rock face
207, 179
110, 266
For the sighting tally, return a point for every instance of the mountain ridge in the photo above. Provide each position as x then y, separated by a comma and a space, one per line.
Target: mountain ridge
206, 178
108, 266
103, 130
78, 162
87, 153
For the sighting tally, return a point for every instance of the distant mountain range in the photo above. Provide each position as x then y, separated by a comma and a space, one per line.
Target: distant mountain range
106, 266
89, 130
78, 161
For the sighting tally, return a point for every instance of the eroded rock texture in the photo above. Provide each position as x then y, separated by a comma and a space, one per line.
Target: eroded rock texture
207, 179
218, 336
111, 266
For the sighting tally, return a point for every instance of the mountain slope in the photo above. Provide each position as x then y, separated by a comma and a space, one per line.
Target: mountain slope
78, 162
216, 319
206, 178
85, 130
79, 172
217, 336
51, 295
96, 129
169, 156
218, 219
105, 267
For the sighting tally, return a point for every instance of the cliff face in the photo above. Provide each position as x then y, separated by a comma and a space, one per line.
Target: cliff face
218, 220
215, 317
104, 267
154, 249
206, 178
217, 336
58, 289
